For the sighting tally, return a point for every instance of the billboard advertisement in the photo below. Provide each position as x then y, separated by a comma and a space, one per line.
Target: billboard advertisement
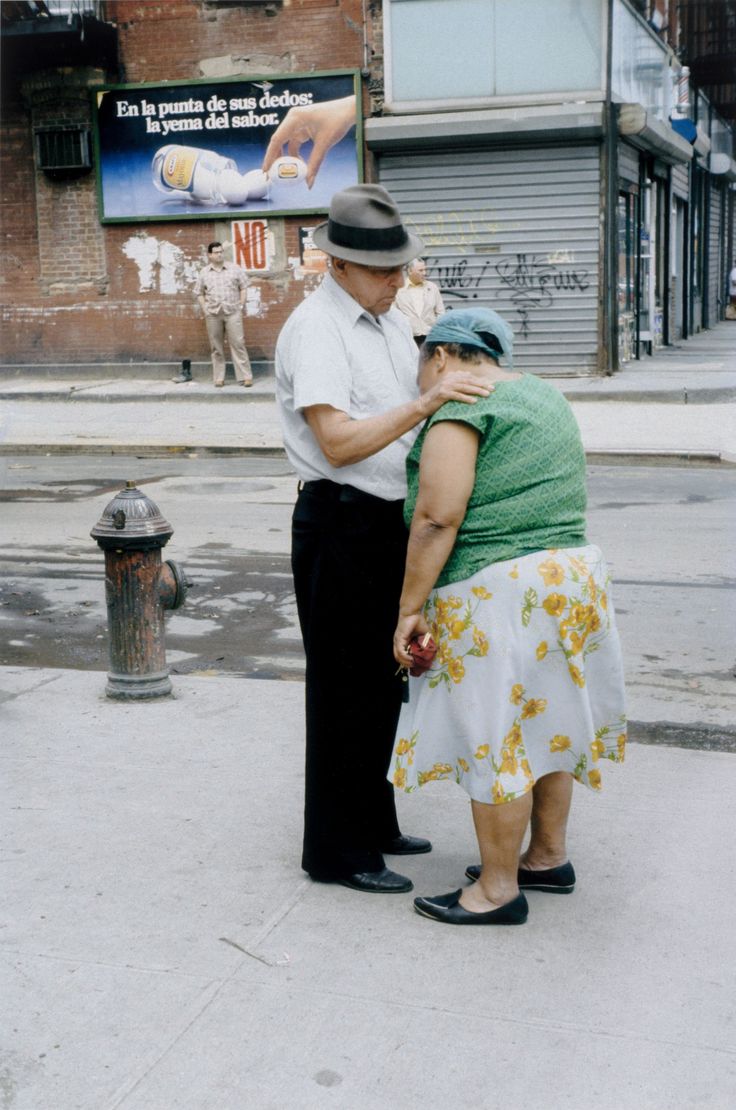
241, 146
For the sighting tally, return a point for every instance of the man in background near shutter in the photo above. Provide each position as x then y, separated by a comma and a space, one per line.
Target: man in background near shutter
420, 300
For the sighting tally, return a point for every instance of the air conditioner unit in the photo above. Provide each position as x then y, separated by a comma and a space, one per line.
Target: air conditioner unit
64, 150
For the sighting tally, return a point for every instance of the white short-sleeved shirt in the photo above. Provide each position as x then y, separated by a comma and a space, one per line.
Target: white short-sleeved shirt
421, 304
332, 352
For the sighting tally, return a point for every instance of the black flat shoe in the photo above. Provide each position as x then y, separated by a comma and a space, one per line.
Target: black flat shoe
378, 882
406, 846
555, 880
447, 909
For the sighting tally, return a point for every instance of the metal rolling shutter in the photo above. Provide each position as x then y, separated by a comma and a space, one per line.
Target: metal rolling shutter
518, 231
628, 163
681, 181
715, 292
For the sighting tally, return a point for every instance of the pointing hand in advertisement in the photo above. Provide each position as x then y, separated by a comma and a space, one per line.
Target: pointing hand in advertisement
324, 124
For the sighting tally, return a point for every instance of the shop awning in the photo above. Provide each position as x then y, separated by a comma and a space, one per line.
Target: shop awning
486, 127
649, 133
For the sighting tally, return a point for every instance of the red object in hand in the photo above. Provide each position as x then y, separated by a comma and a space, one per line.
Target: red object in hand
422, 650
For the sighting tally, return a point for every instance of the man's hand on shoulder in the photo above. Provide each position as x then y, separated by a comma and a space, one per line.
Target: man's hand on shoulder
458, 385
344, 440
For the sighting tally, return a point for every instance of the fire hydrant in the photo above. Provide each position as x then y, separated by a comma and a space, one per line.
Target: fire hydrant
138, 587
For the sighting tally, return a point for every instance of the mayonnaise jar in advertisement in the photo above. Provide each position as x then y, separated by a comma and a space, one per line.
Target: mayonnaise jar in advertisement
192, 171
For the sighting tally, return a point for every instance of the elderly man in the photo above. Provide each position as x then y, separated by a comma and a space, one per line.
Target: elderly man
420, 300
220, 290
346, 387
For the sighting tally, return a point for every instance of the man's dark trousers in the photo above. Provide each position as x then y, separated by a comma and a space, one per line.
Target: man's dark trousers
348, 554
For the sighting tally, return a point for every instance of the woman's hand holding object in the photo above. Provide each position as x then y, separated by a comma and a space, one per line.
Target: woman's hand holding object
412, 627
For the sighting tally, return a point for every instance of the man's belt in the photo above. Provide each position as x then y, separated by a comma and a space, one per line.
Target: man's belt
335, 491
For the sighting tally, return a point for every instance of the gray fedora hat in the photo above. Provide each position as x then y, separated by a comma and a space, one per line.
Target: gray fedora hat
365, 226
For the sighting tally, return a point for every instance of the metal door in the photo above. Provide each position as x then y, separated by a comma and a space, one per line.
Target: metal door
519, 231
715, 267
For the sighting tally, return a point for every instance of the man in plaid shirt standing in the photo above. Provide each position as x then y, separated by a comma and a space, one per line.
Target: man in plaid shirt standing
220, 290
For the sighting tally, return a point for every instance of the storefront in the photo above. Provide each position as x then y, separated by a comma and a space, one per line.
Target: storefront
679, 254
555, 189
628, 262
518, 230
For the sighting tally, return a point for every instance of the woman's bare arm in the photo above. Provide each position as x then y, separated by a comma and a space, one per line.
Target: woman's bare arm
446, 479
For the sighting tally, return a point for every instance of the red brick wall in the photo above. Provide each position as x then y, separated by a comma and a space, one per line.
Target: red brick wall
167, 40
69, 290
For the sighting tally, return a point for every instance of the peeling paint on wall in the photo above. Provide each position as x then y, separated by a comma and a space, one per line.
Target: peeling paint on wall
162, 267
310, 278
253, 304
143, 250
294, 264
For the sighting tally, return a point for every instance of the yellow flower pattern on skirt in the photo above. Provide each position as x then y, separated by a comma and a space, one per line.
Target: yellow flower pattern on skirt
451, 621
527, 680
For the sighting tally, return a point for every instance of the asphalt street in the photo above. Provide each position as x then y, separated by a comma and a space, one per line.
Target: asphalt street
667, 532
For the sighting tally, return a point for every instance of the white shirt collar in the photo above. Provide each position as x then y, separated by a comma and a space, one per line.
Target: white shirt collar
353, 311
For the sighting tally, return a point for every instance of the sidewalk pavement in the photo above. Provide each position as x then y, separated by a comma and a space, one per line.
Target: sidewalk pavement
170, 954
677, 405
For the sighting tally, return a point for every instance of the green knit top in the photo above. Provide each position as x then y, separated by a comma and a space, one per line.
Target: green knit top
529, 491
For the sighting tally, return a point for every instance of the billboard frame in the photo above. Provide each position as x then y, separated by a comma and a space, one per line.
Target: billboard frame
229, 212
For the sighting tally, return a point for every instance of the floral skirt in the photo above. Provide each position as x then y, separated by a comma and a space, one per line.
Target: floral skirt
527, 680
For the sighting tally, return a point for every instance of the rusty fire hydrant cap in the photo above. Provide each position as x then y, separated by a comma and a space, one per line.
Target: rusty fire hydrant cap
132, 520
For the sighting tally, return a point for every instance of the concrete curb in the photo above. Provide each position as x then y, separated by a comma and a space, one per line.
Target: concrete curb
700, 396
264, 390
142, 450
613, 457
660, 457
206, 394
135, 371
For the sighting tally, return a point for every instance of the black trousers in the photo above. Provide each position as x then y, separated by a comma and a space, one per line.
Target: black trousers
348, 553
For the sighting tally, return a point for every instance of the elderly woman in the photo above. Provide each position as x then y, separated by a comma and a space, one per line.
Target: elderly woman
525, 693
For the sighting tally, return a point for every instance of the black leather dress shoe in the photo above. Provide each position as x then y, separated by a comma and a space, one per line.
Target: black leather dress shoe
378, 882
555, 880
447, 909
406, 846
